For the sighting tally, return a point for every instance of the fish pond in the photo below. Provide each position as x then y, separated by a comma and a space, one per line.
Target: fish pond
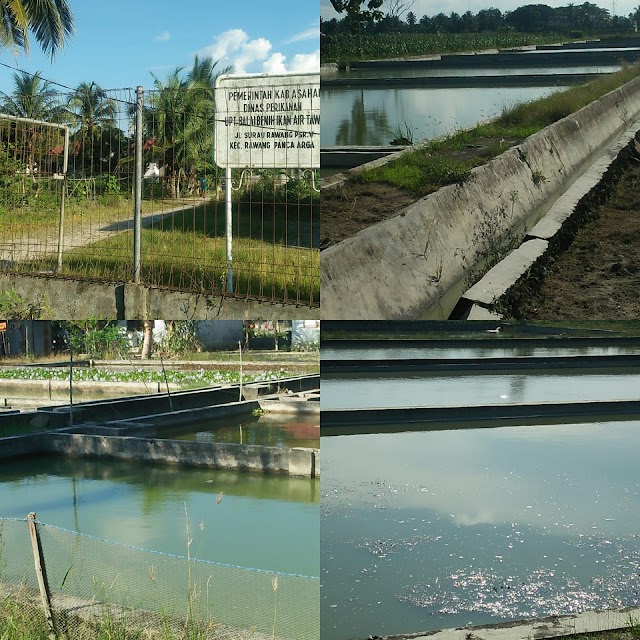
432, 529
450, 524
271, 430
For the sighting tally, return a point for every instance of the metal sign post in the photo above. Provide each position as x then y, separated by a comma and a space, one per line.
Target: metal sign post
265, 121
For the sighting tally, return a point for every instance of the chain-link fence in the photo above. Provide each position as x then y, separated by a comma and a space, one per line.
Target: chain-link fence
68, 176
104, 589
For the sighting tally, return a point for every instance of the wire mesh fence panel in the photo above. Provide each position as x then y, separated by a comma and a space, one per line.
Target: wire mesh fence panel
100, 584
63, 193
68, 208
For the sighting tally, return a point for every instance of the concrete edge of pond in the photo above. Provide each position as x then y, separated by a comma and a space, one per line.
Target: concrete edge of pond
404, 267
588, 411
542, 241
533, 629
127, 438
470, 366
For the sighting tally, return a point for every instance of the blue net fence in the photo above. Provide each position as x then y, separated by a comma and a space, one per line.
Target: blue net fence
105, 589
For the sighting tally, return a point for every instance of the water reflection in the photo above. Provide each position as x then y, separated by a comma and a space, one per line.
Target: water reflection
371, 125
271, 430
375, 114
439, 529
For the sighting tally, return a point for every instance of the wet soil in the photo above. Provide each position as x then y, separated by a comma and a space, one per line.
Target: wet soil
353, 206
598, 276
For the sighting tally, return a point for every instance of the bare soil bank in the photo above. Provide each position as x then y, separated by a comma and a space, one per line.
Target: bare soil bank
598, 276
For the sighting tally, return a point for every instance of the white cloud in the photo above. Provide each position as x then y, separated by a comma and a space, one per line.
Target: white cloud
306, 62
162, 37
301, 63
275, 64
309, 34
234, 48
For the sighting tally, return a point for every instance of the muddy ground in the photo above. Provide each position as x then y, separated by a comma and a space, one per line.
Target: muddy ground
351, 207
598, 276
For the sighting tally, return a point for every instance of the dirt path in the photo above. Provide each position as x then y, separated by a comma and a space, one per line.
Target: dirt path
21, 248
598, 276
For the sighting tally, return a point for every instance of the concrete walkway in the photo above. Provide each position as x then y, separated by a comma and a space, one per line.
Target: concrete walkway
551, 627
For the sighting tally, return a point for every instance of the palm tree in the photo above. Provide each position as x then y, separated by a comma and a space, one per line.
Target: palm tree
94, 115
32, 98
180, 120
50, 21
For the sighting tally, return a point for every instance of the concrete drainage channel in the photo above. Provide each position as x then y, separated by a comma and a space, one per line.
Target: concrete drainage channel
127, 428
414, 265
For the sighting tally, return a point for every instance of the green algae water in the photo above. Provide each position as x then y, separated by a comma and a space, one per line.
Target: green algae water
263, 522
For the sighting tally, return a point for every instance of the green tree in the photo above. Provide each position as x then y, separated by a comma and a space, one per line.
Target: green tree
34, 98
50, 21
94, 115
356, 14
179, 120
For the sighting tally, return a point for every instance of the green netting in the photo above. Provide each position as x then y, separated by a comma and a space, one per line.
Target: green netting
98, 583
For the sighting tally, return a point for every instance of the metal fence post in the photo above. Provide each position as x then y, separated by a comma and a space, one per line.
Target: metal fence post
229, 225
41, 573
137, 197
65, 167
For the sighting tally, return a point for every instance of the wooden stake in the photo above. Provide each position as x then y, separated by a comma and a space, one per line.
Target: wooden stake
41, 573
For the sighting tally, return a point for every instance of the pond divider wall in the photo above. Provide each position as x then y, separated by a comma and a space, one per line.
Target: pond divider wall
292, 461
469, 366
588, 411
403, 268
122, 428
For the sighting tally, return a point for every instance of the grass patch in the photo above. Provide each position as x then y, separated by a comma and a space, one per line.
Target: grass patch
448, 161
275, 252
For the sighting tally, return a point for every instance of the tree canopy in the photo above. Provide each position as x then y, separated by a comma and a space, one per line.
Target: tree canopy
50, 21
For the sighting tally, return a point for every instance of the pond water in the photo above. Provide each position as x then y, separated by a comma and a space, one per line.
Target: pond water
271, 430
351, 391
265, 522
437, 529
374, 116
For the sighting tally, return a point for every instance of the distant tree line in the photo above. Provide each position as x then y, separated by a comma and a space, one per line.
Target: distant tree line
572, 19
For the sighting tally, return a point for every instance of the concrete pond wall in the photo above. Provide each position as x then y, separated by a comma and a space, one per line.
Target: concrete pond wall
126, 429
408, 266
302, 462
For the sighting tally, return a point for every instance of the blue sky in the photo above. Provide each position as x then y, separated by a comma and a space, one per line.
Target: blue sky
432, 7
118, 43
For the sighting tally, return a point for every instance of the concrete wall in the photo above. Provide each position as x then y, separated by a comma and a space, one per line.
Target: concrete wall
293, 462
80, 299
404, 267
588, 411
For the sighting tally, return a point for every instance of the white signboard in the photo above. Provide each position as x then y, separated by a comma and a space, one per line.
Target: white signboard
268, 121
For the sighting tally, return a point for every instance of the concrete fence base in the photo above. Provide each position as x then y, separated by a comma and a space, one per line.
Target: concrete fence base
76, 299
